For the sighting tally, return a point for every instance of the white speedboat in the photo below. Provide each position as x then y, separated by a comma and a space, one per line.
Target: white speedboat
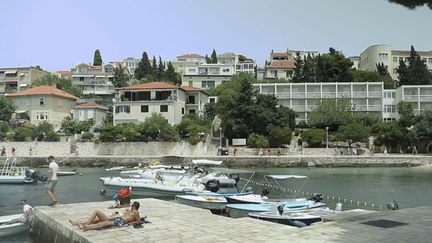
66, 173
297, 219
7, 228
115, 168
11, 174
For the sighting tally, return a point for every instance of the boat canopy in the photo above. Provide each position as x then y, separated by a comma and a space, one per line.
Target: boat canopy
283, 177
206, 162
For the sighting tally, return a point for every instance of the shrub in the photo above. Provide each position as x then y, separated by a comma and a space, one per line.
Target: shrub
280, 136
257, 141
302, 124
87, 137
313, 137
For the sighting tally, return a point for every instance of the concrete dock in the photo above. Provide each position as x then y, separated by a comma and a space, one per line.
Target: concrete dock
172, 222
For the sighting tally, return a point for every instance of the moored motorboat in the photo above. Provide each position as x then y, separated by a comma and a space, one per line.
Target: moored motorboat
297, 219
66, 173
115, 168
7, 228
12, 174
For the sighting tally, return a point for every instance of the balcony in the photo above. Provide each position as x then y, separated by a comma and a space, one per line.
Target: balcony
374, 108
410, 97
344, 95
426, 98
375, 94
298, 95
311, 107
329, 94
359, 94
283, 95
314, 95
298, 108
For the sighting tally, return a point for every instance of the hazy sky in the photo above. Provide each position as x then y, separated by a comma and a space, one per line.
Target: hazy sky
57, 34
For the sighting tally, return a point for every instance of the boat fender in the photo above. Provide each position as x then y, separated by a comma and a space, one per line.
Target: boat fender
102, 192
297, 223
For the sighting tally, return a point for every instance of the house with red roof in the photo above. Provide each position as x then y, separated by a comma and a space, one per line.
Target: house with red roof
281, 64
43, 103
90, 110
135, 103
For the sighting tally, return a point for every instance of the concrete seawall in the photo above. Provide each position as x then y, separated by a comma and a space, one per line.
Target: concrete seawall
240, 161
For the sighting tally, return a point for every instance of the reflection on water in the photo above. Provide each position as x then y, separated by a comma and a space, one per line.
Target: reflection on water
410, 187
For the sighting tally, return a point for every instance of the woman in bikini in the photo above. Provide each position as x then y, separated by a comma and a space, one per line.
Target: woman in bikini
99, 220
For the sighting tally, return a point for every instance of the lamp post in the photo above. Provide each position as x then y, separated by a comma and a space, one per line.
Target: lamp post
220, 137
327, 128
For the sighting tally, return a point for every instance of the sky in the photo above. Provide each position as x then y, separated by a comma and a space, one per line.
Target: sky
58, 34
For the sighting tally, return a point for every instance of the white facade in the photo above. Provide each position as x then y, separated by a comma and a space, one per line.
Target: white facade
281, 64
206, 76
418, 96
131, 64
136, 103
90, 110
305, 97
385, 54
94, 79
185, 61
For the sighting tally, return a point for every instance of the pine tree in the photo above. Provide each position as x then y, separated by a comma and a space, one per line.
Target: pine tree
298, 70
416, 73
154, 67
308, 74
144, 68
170, 74
97, 58
120, 77
402, 72
381, 69
160, 69
214, 58
207, 59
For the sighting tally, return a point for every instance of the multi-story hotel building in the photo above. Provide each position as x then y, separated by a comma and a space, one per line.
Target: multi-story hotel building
375, 54
19, 78
183, 62
135, 103
94, 79
206, 76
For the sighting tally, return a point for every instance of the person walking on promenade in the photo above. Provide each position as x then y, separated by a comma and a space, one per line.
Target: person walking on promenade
260, 152
269, 151
13, 151
52, 180
3, 151
279, 151
235, 151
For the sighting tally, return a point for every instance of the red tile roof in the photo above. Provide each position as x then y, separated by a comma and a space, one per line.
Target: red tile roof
192, 89
191, 55
279, 54
152, 85
91, 105
44, 90
65, 73
282, 64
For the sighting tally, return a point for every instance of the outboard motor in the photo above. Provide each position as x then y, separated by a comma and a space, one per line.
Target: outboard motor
34, 176
235, 177
265, 192
212, 185
280, 208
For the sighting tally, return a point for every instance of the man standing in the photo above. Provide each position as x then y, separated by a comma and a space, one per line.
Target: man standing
52, 180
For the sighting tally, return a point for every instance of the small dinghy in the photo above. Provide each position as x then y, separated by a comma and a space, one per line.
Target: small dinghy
66, 173
7, 228
115, 168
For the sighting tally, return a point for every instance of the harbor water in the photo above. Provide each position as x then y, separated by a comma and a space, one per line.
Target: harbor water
364, 187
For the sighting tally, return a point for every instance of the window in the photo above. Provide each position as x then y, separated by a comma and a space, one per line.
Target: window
191, 99
424, 60
430, 60
389, 94
400, 59
212, 100
81, 79
273, 73
41, 115
238, 67
383, 56
191, 83
164, 108
225, 70
395, 59
144, 108
191, 111
122, 109
208, 84
182, 110
42, 101
390, 108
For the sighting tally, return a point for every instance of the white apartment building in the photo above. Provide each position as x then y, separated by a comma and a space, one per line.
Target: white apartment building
19, 78
385, 54
289, 55
135, 103
305, 97
207, 76
130, 64
185, 61
245, 65
418, 96
356, 61
90, 110
94, 79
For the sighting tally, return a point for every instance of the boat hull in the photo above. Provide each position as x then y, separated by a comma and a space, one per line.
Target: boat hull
297, 220
11, 229
12, 179
242, 210
204, 202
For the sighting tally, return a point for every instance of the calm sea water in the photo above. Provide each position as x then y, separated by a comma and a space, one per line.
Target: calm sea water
410, 187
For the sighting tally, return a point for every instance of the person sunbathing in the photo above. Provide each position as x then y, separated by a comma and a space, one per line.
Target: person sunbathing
98, 220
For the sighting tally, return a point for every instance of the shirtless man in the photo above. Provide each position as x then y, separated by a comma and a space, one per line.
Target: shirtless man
99, 220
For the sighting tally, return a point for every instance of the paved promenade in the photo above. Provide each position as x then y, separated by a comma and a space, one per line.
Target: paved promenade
171, 222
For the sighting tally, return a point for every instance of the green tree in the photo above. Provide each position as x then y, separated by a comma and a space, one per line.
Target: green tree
120, 77
298, 69
171, 75
208, 59
87, 137
23, 133
331, 113
160, 70
213, 57
61, 83
144, 67
381, 69
7, 107
372, 76
389, 134
4, 130
333, 67
257, 141
406, 114
413, 4
97, 58
71, 127
280, 136
416, 73
154, 67
354, 132
192, 125
157, 128
313, 137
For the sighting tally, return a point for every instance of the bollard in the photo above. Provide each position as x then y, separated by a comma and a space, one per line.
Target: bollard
338, 207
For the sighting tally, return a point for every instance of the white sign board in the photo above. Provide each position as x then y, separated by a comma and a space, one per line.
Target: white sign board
239, 141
